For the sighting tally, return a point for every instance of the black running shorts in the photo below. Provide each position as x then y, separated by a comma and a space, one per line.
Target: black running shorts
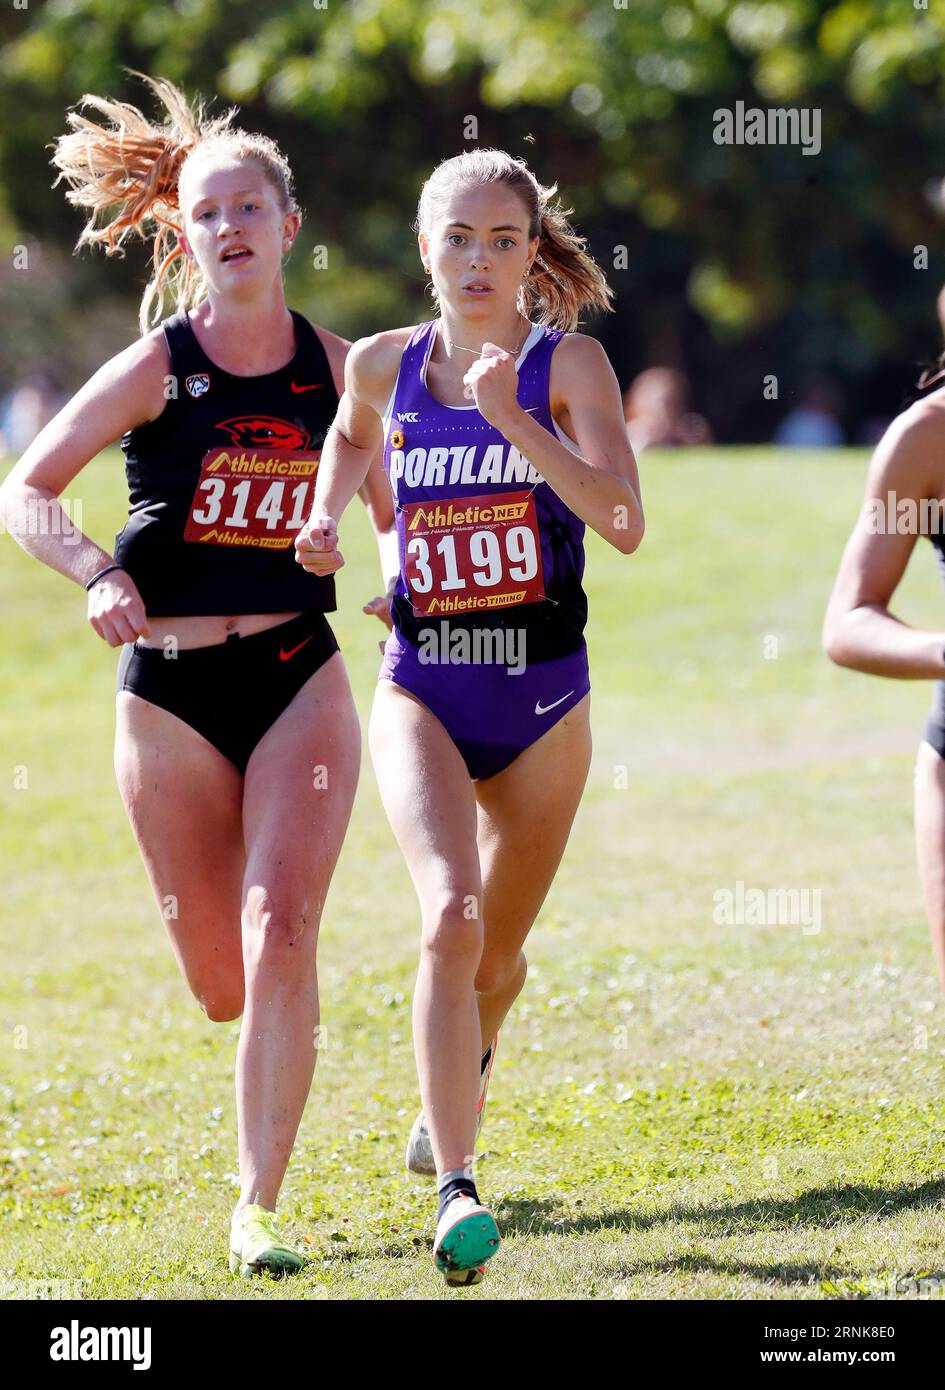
234, 691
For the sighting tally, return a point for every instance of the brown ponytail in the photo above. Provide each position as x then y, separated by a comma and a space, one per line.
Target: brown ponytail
132, 168
564, 279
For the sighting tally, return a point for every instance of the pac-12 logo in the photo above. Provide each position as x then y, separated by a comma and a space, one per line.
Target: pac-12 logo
198, 384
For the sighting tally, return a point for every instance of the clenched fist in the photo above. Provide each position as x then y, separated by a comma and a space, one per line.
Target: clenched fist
316, 546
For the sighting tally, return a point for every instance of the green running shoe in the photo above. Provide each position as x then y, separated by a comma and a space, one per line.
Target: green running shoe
466, 1236
255, 1244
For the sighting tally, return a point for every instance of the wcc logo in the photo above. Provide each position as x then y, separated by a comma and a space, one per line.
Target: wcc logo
264, 432
198, 384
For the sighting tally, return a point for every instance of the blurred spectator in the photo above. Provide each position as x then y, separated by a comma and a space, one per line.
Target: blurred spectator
26, 408
813, 423
656, 409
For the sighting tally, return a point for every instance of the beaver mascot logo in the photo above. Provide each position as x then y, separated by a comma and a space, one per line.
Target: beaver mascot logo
264, 432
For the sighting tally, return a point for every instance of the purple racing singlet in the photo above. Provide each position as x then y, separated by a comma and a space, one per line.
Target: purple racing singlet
489, 608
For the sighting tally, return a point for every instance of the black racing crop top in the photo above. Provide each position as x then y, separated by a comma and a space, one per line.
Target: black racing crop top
222, 480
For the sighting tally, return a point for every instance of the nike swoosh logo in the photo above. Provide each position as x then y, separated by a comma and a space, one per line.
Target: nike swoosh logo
543, 709
287, 656
297, 389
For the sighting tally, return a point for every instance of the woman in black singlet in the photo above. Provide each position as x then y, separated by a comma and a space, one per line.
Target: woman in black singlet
238, 745
905, 489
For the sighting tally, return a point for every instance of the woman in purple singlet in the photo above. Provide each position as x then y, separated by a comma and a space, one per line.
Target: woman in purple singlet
503, 436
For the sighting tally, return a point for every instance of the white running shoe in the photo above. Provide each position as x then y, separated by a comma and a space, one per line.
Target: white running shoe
419, 1155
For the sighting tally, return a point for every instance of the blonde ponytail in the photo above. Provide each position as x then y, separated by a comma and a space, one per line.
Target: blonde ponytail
128, 173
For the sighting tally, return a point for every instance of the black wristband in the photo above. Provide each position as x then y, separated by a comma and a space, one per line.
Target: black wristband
101, 575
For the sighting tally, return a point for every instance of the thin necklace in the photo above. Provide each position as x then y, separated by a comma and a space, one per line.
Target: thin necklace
477, 352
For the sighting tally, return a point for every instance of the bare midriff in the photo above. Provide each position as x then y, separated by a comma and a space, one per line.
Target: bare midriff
210, 630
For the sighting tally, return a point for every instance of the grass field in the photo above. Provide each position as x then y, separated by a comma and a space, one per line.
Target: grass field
679, 1108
